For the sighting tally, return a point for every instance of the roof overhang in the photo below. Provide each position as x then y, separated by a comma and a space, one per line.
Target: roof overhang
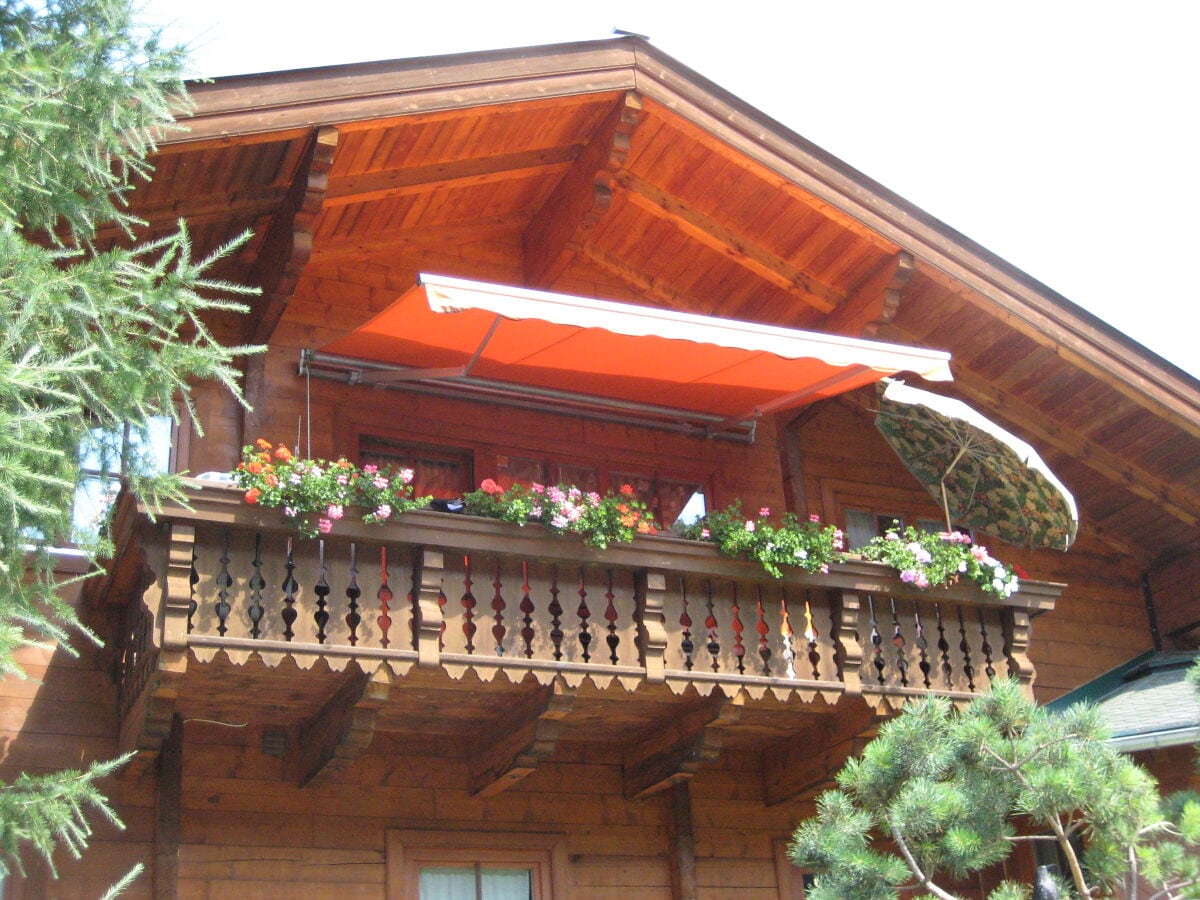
644, 365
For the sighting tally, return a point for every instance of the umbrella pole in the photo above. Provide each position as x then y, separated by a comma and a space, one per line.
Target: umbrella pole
945, 499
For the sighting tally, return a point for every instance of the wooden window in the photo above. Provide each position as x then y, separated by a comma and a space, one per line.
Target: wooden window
453, 865
107, 455
441, 472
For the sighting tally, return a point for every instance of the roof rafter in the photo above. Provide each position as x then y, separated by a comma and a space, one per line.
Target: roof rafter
326, 252
875, 301
715, 236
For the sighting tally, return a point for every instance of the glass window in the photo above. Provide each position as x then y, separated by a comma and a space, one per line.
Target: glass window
105, 456
441, 472
475, 883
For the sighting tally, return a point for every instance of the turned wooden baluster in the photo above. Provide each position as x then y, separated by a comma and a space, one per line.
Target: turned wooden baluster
527, 610
610, 614
898, 643
498, 605
555, 609
810, 635
710, 622
943, 647
385, 596
764, 650
787, 635
353, 592
290, 587
256, 584
739, 649
193, 580
224, 583
468, 604
923, 648
877, 661
685, 620
322, 590
965, 646
585, 638
986, 647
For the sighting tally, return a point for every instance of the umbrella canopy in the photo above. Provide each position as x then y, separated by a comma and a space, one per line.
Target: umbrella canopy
986, 478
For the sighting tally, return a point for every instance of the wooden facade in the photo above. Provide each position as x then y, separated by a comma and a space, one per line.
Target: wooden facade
389, 723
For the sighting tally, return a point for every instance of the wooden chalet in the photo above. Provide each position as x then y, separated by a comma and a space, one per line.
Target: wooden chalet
480, 698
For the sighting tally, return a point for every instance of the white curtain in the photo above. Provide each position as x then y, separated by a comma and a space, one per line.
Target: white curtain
445, 883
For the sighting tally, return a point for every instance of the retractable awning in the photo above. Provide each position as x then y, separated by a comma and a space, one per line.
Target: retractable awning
635, 363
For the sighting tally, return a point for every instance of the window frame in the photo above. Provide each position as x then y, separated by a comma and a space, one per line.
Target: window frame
408, 850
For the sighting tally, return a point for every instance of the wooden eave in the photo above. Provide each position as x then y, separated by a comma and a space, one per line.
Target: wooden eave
792, 236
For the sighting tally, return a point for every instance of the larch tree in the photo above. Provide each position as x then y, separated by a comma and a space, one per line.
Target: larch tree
94, 342
943, 793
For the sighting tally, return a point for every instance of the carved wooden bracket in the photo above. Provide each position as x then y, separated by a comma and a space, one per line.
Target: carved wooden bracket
520, 740
676, 752
1018, 630
427, 607
807, 762
875, 302
343, 729
582, 197
847, 610
652, 627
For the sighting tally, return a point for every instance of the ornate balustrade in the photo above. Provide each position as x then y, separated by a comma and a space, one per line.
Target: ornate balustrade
435, 589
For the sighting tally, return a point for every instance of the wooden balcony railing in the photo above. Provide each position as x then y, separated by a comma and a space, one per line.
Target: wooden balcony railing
462, 593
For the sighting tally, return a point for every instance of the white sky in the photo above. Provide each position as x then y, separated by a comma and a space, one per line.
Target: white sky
1063, 136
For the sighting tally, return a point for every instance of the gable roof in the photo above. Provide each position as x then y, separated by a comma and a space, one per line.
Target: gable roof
620, 172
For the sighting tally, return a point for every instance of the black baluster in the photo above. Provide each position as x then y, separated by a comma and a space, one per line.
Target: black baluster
224, 583
353, 592
193, 580
257, 584
787, 635
923, 647
498, 606
685, 620
764, 650
526, 611
585, 638
385, 596
876, 642
610, 614
943, 646
986, 647
555, 609
898, 643
965, 646
289, 593
321, 589
811, 634
710, 622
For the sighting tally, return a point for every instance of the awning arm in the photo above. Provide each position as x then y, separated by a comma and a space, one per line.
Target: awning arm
402, 374
791, 399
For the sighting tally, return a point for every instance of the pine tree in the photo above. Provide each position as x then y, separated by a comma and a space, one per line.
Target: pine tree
944, 793
93, 342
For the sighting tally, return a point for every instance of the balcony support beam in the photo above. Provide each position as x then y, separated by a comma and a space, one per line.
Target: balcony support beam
674, 753
847, 611
652, 630
807, 762
334, 738
428, 606
521, 739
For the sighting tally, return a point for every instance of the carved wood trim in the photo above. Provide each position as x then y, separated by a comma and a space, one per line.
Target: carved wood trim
344, 727
652, 625
521, 739
582, 197
1018, 630
427, 606
674, 753
847, 609
177, 596
875, 302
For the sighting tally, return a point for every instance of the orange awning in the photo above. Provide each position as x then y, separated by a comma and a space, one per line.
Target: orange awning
722, 371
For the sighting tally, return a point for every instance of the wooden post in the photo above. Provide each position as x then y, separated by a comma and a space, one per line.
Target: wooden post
847, 610
652, 629
178, 594
166, 827
427, 612
683, 843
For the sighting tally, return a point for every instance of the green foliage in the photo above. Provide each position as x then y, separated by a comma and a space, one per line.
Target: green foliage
930, 560
797, 543
942, 793
564, 509
92, 341
314, 493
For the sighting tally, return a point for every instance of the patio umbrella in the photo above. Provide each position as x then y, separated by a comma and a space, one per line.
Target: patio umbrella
986, 478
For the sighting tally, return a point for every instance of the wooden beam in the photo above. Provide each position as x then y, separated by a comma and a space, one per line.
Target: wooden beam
806, 763
342, 730
648, 286
674, 752
373, 186
288, 244
446, 234
875, 301
708, 231
524, 736
168, 802
682, 837
582, 197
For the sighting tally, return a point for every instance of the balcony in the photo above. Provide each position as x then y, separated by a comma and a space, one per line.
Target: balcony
653, 646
